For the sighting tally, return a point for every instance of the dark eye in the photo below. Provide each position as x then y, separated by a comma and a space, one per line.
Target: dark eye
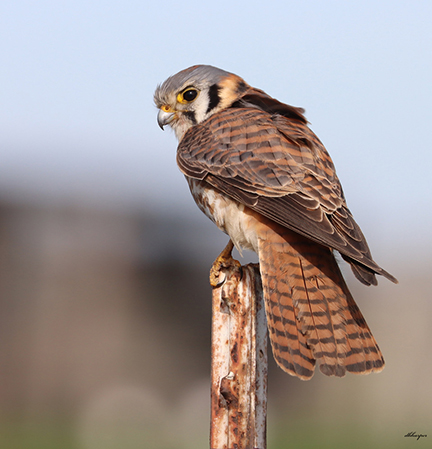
190, 95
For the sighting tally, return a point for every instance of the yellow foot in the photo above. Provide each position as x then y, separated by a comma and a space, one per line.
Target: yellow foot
223, 261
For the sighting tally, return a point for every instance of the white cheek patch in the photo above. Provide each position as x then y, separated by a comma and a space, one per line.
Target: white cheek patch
198, 111
200, 107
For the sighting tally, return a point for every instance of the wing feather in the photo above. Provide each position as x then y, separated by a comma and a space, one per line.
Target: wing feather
276, 165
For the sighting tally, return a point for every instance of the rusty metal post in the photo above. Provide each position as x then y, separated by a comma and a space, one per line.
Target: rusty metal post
239, 361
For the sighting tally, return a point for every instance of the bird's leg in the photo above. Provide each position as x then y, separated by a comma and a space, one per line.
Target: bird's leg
224, 260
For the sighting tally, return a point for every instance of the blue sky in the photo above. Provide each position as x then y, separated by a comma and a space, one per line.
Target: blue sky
77, 122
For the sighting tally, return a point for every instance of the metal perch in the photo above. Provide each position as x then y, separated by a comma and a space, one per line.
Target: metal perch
239, 361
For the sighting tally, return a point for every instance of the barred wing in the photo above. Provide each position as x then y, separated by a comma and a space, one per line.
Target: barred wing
278, 167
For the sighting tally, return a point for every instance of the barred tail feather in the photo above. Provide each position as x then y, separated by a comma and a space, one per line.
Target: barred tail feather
311, 314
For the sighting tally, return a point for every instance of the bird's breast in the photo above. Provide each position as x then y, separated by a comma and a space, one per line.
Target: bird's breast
232, 217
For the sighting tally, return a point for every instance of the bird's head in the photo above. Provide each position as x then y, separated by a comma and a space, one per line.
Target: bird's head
194, 94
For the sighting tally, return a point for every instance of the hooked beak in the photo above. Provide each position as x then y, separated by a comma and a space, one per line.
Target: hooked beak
165, 118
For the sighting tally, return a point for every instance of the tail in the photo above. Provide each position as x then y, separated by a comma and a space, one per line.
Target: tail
311, 314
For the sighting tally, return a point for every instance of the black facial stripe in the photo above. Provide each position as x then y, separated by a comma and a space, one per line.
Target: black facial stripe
214, 97
242, 87
191, 116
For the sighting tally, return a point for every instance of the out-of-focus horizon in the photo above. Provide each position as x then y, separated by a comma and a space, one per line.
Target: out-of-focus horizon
104, 301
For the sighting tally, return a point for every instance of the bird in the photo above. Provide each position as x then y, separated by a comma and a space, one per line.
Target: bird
258, 171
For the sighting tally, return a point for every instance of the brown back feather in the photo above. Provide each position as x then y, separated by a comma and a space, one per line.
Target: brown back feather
262, 161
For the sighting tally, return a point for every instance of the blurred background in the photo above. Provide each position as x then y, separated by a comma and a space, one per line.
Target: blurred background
105, 306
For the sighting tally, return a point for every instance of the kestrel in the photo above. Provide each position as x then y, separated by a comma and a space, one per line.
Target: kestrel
264, 178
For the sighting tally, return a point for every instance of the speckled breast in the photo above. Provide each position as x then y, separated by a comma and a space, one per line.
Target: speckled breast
233, 218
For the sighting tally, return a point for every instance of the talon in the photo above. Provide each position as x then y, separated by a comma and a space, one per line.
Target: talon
222, 262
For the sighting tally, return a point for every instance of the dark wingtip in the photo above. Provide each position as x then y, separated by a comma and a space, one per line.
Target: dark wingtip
389, 276
364, 274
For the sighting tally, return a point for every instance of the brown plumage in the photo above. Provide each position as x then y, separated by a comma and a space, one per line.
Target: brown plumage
258, 171
310, 311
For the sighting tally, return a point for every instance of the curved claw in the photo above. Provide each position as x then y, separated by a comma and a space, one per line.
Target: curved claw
221, 264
